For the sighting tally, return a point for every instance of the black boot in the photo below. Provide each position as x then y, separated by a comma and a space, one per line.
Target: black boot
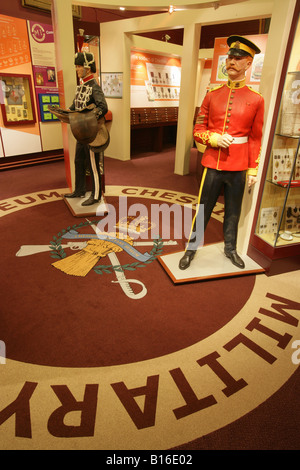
90, 201
186, 259
75, 194
235, 258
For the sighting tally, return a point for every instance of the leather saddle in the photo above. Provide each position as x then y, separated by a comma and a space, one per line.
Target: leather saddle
85, 125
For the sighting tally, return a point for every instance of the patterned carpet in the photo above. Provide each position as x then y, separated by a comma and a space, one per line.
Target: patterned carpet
104, 352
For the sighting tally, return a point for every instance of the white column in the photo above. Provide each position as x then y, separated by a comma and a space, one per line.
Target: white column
189, 65
66, 74
127, 42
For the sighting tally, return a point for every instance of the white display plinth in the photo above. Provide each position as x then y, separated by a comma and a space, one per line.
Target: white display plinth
77, 210
209, 263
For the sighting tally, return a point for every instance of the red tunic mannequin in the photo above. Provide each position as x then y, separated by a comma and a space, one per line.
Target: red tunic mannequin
230, 124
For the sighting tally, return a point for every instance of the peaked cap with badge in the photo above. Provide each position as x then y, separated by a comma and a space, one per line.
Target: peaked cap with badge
241, 47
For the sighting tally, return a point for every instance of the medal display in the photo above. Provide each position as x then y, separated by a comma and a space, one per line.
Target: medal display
16, 99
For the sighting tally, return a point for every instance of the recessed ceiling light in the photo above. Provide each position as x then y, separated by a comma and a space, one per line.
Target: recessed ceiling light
122, 8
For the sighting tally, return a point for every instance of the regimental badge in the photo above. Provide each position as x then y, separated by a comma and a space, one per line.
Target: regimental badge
95, 246
132, 224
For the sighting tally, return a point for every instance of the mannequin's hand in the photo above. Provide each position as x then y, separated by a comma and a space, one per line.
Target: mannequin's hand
251, 181
225, 140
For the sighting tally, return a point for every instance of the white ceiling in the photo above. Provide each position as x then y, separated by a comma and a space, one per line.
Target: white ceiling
155, 5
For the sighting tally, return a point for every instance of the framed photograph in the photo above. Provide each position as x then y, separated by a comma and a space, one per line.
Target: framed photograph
16, 99
112, 84
45, 5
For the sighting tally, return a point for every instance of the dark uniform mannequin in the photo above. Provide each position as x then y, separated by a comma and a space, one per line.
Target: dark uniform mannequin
87, 93
230, 124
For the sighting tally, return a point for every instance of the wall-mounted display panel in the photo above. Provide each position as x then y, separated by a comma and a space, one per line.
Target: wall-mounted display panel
46, 99
112, 84
155, 80
17, 99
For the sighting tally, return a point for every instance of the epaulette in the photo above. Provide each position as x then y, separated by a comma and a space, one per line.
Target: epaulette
252, 89
216, 88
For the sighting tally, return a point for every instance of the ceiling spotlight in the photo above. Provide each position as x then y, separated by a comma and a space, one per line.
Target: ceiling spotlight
122, 8
171, 9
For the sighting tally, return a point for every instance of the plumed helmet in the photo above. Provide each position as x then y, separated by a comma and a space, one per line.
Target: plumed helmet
86, 59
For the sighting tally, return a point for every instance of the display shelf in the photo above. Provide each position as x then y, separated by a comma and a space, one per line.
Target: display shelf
270, 239
277, 224
279, 215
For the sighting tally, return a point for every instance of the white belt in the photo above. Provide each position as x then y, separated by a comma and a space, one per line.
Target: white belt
240, 140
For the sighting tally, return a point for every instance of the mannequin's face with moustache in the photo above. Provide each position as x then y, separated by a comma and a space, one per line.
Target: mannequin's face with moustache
237, 66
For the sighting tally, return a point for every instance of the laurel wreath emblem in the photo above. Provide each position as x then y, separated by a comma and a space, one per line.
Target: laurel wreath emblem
57, 251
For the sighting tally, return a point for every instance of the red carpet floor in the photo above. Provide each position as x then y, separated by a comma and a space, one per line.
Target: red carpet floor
203, 365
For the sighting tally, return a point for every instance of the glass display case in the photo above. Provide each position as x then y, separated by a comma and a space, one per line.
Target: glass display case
16, 99
278, 222
277, 227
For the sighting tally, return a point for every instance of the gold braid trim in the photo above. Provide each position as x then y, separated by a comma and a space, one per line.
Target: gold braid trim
208, 138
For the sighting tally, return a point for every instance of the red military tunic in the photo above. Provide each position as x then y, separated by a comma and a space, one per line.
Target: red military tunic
234, 109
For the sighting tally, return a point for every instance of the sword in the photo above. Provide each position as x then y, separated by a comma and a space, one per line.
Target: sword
124, 282
120, 275
27, 250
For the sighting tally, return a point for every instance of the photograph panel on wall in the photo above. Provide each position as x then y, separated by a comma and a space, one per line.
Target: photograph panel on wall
16, 99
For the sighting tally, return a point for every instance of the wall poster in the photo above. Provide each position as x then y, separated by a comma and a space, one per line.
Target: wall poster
14, 47
19, 129
155, 80
41, 40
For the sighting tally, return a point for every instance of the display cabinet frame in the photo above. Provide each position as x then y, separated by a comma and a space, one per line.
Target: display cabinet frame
275, 233
16, 96
278, 221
